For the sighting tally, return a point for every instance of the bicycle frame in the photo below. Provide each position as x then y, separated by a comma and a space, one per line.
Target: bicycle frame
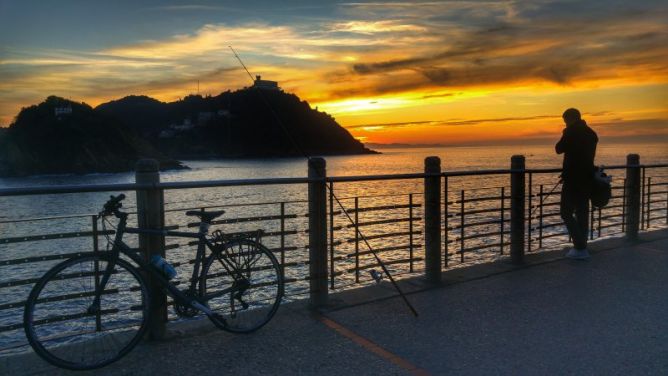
195, 301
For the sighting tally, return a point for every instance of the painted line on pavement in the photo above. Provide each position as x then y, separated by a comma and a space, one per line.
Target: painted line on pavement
373, 347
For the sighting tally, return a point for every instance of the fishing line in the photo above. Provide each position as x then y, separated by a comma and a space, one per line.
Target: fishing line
542, 199
331, 190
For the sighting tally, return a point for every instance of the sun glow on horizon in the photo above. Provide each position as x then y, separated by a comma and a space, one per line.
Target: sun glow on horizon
390, 73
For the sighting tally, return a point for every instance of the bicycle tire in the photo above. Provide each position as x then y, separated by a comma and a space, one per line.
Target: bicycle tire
263, 295
62, 297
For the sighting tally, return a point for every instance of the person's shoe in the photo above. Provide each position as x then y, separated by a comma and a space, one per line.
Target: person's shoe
572, 253
578, 254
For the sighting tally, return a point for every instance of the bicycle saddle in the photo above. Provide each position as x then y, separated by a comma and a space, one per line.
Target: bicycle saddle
205, 216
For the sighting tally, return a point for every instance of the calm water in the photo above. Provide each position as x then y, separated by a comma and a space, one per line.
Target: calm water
392, 161
255, 201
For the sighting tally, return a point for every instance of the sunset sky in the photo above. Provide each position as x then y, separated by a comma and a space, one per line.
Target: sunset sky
390, 72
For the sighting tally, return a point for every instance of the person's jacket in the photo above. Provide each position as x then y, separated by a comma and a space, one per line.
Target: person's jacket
578, 144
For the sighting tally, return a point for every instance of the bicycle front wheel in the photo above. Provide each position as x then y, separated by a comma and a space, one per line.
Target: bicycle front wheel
243, 283
66, 329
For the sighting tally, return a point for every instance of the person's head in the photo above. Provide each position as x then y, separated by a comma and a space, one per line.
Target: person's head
571, 116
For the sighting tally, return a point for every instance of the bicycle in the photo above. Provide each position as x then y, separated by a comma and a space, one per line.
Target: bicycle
91, 310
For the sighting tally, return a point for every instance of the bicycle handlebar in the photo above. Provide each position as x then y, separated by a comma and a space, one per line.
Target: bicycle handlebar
112, 206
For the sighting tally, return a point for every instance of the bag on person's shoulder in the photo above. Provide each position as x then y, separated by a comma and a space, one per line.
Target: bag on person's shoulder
602, 188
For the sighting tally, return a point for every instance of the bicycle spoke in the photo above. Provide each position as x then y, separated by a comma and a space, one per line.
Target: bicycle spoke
61, 303
253, 275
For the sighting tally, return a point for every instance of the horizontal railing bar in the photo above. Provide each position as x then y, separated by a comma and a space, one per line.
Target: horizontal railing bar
335, 212
384, 207
64, 235
41, 258
547, 215
479, 172
477, 248
385, 249
474, 224
59, 298
391, 262
234, 183
548, 225
609, 216
376, 196
616, 224
342, 179
24, 191
380, 236
478, 199
233, 205
477, 236
480, 211
248, 219
555, 235
613, 167
546, 204
613, 207
59, 189
51, 218
382, 222
659, 165
494, 187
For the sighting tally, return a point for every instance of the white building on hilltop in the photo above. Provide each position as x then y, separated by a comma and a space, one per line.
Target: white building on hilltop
265, 84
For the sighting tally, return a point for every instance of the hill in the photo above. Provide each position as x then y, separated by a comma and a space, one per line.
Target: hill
61, 136
246, 123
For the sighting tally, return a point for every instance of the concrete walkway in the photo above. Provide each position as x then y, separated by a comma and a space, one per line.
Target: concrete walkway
605, 316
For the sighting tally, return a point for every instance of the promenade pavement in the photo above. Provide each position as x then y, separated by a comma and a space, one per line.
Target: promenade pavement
605, 316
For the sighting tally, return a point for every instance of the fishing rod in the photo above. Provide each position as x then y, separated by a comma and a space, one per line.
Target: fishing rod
375, 276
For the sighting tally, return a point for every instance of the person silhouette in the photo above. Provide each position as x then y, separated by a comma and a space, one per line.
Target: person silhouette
578, 144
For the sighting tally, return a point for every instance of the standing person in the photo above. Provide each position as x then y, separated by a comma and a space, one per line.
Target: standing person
578, 144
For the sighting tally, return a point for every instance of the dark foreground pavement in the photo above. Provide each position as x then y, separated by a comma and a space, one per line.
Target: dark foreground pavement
605, 316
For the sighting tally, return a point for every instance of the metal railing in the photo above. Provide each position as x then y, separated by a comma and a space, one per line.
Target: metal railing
439, 220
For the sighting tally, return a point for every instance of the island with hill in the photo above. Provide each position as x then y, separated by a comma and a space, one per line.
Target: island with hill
61, 136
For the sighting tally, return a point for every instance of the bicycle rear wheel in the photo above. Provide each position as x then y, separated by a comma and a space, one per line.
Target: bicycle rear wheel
65, 329
254, 276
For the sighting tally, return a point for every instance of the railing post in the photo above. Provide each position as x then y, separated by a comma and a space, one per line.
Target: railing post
151, 214
317, 209
517, 209
632, 189
432, 219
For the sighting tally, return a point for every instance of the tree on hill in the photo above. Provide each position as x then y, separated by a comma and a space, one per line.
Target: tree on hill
61, 136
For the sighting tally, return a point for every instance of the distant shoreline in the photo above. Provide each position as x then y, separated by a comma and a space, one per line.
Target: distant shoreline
536, 142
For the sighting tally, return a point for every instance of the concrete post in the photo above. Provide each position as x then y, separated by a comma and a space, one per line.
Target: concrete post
317, 209
151, 214
632, 196
432, 219
517, 209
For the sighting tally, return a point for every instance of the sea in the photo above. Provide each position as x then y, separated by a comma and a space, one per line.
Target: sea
25, 216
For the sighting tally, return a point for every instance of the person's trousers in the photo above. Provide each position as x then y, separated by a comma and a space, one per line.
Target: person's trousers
574, 210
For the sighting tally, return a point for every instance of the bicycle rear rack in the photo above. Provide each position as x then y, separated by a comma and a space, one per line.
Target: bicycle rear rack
219, 237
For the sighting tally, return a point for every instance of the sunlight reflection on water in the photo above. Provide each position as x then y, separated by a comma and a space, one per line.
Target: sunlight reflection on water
246, 201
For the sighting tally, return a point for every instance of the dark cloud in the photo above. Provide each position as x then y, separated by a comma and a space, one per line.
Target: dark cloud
558, 42
455, 122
